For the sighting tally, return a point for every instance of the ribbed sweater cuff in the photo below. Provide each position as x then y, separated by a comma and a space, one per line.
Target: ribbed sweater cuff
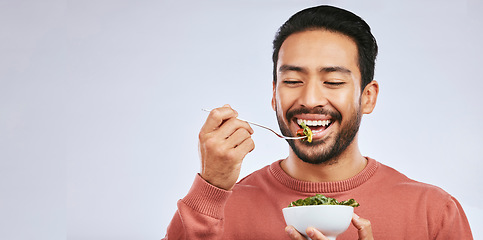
206, 198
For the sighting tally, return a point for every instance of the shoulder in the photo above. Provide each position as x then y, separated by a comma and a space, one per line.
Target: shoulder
406, 188
417, 207
443, 214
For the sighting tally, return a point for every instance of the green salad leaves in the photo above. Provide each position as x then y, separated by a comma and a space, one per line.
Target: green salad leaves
320, 199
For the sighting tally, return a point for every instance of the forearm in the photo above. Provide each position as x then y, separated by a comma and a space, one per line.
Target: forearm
200, 214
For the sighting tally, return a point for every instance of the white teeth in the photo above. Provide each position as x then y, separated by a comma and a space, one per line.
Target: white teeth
314, 123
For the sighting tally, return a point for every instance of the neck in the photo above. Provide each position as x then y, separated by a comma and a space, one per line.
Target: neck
348, 164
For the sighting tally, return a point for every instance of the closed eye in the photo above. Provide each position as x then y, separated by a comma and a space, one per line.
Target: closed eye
291, 82
335, 84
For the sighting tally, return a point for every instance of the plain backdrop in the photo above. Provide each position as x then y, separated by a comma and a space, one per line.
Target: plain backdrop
100, 104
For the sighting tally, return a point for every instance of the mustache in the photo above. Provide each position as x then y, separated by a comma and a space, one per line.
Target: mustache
317, 110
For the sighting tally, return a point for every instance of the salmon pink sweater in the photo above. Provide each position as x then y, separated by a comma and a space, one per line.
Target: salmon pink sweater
398, 207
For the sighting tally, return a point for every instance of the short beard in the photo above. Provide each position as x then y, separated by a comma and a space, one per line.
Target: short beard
326, 154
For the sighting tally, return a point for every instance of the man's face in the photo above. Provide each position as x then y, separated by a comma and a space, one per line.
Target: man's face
318, 82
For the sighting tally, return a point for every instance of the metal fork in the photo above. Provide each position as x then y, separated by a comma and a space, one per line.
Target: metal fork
259, 125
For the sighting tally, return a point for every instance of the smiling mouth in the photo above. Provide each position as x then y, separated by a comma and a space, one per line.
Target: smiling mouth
315, 125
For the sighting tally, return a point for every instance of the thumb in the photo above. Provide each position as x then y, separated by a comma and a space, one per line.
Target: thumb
363, 227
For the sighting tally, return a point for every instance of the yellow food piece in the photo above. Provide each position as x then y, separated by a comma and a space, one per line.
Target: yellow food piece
308, 133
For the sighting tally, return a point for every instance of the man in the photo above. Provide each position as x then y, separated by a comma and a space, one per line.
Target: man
324, 60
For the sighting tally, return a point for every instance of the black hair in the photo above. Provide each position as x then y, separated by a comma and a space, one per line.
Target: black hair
336, 20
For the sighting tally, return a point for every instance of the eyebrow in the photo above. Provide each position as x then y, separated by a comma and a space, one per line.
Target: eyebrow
336, 69
287, 68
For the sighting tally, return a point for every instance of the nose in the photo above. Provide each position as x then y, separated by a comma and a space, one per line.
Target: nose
313, 95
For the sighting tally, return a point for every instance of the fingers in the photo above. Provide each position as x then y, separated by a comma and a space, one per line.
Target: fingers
240, 143
225, 132
363, 227
313, 233
293, 234
224, 141
230, 126
217, 117
231, 135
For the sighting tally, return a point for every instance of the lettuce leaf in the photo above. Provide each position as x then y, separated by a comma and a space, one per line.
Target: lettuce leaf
320, 199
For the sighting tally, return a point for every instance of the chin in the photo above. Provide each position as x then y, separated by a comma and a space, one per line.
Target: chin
320, 161
314, 152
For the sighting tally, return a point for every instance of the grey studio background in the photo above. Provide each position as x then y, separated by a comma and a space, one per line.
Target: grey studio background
100, 104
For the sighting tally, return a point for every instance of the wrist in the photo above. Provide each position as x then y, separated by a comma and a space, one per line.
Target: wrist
207, 198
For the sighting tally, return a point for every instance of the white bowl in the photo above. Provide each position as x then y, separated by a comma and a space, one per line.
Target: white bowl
331, 220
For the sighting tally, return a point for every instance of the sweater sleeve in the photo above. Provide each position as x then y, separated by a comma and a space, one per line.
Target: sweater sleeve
453, 222
200, 213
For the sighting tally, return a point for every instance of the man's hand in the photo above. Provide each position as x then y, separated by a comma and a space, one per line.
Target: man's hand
224, 141
363, 227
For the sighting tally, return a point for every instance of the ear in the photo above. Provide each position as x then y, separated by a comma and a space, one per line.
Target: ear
274, 85
369, 97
